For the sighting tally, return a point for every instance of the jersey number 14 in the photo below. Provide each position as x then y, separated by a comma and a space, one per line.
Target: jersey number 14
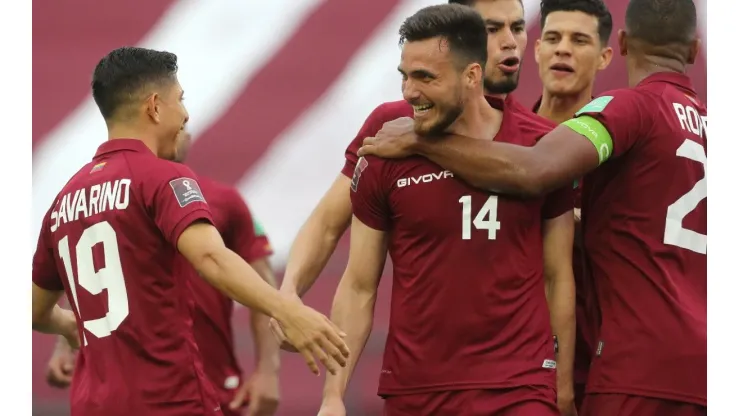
485, 219
109, 277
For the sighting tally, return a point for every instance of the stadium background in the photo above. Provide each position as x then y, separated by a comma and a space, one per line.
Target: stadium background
276, 90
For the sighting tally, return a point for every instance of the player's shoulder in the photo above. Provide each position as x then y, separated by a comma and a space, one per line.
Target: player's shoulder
156, 169
530, 126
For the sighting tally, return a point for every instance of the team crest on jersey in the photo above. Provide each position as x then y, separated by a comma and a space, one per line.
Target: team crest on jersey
186, 191
359, 168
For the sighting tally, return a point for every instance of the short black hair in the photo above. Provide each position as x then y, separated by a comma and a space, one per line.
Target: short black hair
461, 26
595, 8
471, 3
661, 22
120, 74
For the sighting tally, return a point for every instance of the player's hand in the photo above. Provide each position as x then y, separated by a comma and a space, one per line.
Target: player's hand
314, 336
61, 365
395, 140
566, 402
277, 331
332, 407
262, 393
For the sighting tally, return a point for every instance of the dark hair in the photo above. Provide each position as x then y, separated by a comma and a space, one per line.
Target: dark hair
471, 3
124, 71
661, 22
461, 26
595, 8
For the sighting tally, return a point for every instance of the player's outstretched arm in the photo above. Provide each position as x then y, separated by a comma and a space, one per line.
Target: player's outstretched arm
318, 238
561, 294
309, 331
559, 158
354, 301
49, 318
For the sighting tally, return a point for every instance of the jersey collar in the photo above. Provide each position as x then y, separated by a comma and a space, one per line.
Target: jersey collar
117, 145
675, 78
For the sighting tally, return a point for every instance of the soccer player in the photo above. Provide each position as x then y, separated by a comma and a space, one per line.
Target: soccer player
318, 237
117, 227
212, 327
644, 211
572, 49
470, 327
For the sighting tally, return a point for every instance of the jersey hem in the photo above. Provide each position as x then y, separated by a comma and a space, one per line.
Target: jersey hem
456, 386
658, 394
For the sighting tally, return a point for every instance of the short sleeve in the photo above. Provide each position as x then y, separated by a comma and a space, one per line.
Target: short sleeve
614, 122
372, 125
369, 199
558, 202
246, 237
174, 199
44, 271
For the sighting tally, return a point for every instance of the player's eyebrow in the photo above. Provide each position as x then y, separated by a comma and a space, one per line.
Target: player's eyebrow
418, 73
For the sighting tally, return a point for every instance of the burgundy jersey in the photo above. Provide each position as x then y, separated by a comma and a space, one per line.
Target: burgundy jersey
212, 319
645, 225
585, 315
468, 307
109, 241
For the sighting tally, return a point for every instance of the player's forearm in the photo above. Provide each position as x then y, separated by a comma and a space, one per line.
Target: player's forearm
352, 311
561, 302
267, 350
56, 321
485, 164
313, 247
230, 274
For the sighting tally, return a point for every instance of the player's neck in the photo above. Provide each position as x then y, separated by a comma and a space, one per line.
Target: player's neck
643, 66
124, 132
479, 120
559, 108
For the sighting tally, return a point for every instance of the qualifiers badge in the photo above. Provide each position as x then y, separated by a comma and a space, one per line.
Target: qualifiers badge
186, 191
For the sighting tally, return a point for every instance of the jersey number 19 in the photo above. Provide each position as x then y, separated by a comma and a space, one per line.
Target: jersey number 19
109, 277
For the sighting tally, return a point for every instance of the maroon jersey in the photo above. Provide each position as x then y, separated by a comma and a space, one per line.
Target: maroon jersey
109, 241
585, 326
212, 319
645, 224
468, 307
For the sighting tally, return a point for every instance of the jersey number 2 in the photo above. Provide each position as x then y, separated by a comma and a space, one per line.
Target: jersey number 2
675, 234
109, 277
485, 219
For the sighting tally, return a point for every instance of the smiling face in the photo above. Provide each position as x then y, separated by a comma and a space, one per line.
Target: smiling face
507, 39
569, 52
432, 84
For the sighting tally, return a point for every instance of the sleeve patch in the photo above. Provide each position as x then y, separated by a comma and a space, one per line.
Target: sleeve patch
594, 131
186, 191
259, 230
597, 105
359, 168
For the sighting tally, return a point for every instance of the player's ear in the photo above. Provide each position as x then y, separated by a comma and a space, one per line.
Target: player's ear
537, 44
622, 42
606, 57
694, 51
473, 75
152, 107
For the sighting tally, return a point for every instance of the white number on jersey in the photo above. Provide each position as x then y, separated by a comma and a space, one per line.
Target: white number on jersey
485, 219
109, 277
675, 234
